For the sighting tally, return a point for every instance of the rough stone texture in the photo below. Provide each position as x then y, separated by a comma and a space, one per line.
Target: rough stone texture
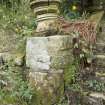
93, 101
49, 85
94, 98
8, 40
12, 46
100, 48
47, 58
101, 62
47, 53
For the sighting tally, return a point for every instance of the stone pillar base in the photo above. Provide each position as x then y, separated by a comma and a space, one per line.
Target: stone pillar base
49, 86
47, 58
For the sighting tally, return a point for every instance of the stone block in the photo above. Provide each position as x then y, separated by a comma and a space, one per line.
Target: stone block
100, 48
49, 86
46, 53
100, 60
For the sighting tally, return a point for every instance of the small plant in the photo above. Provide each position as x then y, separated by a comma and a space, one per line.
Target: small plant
18, 19
69, 76
96, 85
14, 88
75, 87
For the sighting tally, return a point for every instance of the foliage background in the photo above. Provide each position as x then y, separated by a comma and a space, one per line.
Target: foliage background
67, 9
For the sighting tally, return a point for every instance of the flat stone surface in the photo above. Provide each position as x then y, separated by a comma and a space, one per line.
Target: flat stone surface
45, 53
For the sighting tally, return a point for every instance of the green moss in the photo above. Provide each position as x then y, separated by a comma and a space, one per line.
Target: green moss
69, 74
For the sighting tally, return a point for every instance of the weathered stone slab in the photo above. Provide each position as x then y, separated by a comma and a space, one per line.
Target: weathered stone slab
100, 48
100, 60
49, 85
46, 53
37, 56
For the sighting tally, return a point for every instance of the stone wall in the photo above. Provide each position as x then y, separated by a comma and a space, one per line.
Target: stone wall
47, 58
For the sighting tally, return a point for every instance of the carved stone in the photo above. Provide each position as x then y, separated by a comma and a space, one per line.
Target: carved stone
46, 12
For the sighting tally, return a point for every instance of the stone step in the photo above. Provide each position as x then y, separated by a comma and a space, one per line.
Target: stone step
100, 60
100, 56
100, 74
101, 36
94, 98
100, 69
98, 95
100, 44
100, 47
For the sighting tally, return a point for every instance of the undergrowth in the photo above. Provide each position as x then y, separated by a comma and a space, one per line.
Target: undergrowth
14, 88
19, 19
